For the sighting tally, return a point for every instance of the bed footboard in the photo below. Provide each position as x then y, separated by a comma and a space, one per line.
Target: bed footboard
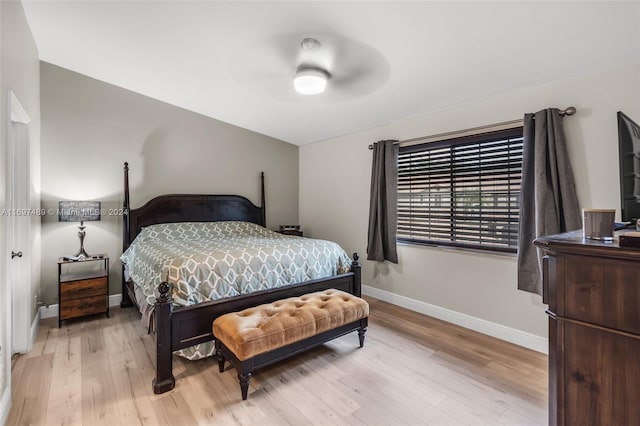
190, 325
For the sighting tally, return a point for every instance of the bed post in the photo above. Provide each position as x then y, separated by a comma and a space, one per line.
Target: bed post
126, 299
263, 206
164, 380
356, 268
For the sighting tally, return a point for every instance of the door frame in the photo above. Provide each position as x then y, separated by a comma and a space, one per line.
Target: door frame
21, 328
16, 114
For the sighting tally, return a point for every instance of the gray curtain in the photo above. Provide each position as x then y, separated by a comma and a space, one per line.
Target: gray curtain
548, 201
383, 204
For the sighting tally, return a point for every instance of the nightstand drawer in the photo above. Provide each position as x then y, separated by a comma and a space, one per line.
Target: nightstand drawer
83, 288
86, 306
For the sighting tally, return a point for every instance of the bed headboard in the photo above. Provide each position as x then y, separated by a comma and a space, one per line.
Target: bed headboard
188, 208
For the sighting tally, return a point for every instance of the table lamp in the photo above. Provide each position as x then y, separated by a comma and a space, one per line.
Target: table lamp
79, 211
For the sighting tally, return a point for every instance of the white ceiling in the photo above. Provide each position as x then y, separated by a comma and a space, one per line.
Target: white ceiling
215, 58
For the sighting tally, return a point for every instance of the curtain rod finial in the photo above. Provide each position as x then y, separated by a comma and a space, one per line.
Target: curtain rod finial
570, 111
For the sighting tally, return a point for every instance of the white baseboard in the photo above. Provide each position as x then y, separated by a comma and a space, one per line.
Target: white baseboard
5, 405
52, 310
35, 325
518, 337
48, 311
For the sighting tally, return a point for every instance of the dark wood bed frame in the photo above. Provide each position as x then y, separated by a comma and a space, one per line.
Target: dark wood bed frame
180, 327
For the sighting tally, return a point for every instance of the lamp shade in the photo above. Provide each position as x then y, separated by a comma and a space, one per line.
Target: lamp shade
78, 211
310, 81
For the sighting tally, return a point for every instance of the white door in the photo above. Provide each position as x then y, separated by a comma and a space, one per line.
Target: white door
19, 226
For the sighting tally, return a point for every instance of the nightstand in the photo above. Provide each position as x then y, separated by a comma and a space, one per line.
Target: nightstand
83, 287
290, 230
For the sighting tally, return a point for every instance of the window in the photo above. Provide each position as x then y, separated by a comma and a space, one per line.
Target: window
461, 192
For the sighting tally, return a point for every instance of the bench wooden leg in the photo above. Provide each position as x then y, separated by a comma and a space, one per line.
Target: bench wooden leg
220, 356
361, 332
244, 379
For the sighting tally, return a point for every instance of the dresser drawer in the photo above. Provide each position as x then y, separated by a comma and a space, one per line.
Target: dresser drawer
85, 306
600, 376
603, 292
83, 288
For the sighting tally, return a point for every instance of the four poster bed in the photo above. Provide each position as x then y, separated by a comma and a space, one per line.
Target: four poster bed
181, 313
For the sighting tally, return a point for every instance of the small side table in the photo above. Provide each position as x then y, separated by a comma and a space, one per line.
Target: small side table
83, 292
291, 232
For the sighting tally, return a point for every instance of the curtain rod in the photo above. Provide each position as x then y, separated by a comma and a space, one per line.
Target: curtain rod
569, 111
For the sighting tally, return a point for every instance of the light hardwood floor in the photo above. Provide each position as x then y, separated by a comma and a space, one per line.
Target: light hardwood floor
413, 369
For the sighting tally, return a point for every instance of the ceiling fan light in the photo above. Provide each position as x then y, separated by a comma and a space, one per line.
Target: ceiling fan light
310, 81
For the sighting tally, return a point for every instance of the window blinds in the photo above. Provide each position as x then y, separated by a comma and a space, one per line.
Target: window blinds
461, 192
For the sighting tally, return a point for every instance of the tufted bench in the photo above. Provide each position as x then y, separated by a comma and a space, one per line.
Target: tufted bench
268, 333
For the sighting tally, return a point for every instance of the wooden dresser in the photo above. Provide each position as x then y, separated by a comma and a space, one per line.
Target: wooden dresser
593, 292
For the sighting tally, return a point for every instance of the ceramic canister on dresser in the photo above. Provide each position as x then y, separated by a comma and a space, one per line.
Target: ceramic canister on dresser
597, 224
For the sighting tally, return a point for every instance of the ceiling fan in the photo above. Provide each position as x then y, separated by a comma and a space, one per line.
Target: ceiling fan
290, 66
311, 78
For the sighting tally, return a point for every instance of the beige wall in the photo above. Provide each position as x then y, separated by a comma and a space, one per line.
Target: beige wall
335, 178
20, 72
89, 128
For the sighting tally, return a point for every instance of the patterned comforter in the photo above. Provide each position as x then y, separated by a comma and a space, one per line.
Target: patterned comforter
212, 260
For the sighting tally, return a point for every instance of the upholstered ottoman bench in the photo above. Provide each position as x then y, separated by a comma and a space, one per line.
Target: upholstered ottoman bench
260, 336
